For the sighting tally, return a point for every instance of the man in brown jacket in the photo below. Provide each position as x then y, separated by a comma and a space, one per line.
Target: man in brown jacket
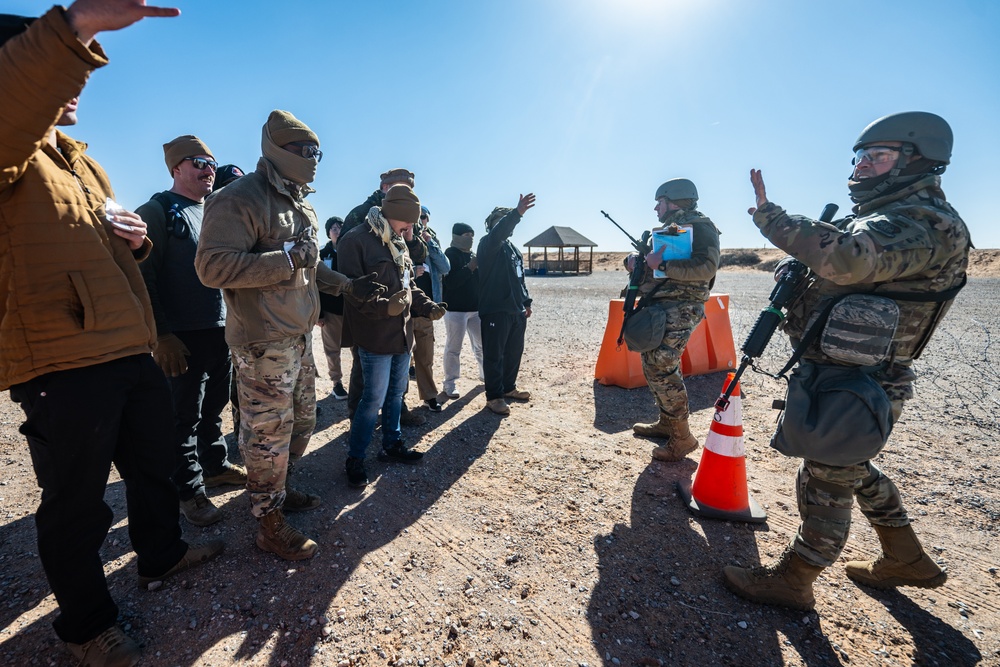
76, 332
258, 244
381, 329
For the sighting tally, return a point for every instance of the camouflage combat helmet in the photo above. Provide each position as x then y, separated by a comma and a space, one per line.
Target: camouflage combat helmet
677, 189
929, 134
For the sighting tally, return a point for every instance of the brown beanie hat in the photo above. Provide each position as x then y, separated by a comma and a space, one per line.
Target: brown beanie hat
401, 203
183, 146
285, 128
394, 176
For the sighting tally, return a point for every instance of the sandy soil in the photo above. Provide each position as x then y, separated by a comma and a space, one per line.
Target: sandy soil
550, 538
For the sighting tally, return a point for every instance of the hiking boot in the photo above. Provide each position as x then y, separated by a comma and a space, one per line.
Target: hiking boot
299, 501
681, 442
518, 395
433, 405
903, 562
232, 474
111, 648
658, 429
408, 417
356, 474
499, 406
396, 452
339, 392
276, 536
200, 511
787, 583
196, 554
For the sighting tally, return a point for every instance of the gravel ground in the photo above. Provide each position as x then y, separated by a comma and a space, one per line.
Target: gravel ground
550, 538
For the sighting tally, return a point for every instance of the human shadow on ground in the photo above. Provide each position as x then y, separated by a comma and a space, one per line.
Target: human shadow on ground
348, 527
616, 409
660, 590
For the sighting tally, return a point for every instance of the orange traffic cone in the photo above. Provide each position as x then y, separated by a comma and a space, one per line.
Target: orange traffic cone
719, 490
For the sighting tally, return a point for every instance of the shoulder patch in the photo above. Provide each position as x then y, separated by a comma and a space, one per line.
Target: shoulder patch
885, 227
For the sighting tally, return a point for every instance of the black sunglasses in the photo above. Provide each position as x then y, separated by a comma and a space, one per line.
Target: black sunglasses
200, 163
308, 150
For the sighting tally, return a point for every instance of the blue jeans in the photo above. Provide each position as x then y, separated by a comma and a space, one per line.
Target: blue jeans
386, 377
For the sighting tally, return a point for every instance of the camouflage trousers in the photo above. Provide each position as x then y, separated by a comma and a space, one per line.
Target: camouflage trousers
825, 496
662, 365
276, 382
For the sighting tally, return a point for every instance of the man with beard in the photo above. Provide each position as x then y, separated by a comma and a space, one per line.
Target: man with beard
259, 245
191, 344
906, 243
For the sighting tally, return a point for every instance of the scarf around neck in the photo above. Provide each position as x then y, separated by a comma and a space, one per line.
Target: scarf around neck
394, 242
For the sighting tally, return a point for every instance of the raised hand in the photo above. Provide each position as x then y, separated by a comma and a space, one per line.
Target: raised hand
525, 202
89, 17
758, 189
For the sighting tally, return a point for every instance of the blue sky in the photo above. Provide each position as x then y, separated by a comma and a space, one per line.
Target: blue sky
590, 104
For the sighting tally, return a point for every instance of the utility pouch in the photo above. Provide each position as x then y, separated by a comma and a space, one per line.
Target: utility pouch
644, 329
836, 415
859, 329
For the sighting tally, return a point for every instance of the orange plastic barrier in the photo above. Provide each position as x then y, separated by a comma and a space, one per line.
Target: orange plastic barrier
710, 349
720, 490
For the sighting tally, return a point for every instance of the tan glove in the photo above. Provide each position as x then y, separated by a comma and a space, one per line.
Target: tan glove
437, 311
399, 302
171, 354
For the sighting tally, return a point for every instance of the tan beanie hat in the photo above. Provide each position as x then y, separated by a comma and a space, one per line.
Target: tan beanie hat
285, 128
186, 145
394, 176
401, 203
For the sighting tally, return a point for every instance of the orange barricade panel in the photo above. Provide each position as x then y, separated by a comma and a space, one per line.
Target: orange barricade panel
710, 349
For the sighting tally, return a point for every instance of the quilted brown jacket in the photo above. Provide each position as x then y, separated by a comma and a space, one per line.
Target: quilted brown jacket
72, 292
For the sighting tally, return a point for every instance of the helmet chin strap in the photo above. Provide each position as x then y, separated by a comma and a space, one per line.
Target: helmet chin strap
889, 179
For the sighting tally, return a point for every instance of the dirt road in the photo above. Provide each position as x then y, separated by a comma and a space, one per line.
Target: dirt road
549, 538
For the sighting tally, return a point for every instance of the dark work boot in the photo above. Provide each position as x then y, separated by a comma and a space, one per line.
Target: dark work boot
396, 452
786, 583
903, 562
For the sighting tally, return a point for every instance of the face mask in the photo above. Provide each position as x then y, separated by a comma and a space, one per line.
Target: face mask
292, 167
462, 242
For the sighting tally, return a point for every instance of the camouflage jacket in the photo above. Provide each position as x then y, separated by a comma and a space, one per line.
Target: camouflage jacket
687, 279
909, 241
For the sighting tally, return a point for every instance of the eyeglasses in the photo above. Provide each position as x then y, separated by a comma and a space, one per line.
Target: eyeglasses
875, 154
424, 217
200, 163
308, 150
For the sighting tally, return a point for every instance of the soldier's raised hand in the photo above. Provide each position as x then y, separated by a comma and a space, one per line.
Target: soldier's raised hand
89, 17
758, 189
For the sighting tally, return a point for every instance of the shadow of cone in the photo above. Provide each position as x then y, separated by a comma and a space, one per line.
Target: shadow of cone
719, 490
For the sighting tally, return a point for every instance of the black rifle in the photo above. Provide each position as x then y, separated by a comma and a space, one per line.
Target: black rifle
769, 319
635, 279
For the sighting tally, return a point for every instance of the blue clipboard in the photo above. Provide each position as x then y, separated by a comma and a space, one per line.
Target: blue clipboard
676, 246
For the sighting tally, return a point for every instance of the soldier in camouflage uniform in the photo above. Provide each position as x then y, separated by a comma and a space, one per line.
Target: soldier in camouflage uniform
682, 295
258, 243
902, 237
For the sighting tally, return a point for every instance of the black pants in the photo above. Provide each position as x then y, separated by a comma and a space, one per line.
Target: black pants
78, 422
199, 397
503, 344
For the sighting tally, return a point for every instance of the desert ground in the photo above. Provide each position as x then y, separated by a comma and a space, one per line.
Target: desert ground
550, 537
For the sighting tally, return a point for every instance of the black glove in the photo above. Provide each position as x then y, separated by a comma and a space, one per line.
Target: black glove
304, 253
364, 288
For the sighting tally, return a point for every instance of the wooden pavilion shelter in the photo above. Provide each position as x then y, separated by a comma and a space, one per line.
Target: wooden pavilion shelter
564, 244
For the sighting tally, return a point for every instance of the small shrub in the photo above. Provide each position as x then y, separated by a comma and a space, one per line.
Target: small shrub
747, 258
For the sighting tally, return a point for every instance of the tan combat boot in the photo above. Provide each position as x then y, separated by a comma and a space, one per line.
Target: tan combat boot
681, 442
787, 583
902, 563
658, 429
276, 536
